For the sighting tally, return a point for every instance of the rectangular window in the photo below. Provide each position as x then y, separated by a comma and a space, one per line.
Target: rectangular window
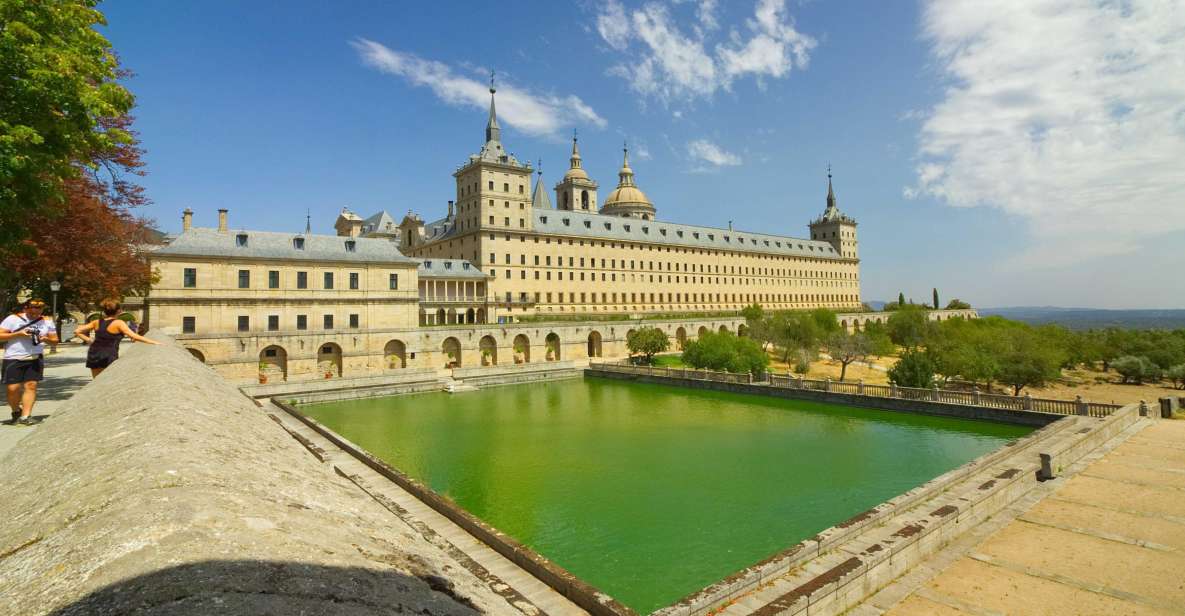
273, 279
353, 321
302, 321
273, 322
188, 325
244, 279
328, 280
393, 281
244, 323
354, 281
190, 277
302, 280
328, 321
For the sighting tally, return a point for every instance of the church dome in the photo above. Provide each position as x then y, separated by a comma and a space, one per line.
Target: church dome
576, 173
627, 195
627, 199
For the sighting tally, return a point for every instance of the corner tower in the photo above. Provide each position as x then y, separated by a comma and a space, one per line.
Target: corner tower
835, 227
576, 191
627, 199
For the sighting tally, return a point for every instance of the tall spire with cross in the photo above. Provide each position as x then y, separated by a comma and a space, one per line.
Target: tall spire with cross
493, 132
308, 222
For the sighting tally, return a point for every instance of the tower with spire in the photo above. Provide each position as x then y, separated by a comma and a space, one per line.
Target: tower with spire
835, 227
576, 191
627, 199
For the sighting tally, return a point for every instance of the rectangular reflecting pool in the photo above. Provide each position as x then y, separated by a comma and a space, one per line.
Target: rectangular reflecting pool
651, 492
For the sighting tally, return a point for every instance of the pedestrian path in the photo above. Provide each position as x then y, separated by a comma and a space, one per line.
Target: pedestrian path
65, 373
1110, 540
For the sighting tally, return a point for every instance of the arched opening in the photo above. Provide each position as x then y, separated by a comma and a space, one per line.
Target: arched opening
440, 316
273, 364
452, 316
470, 316
742, 330
723, 328
329, 360
702, 330
196, 354
452, 352
680, 337
565, 205
481, 315
423, 317
594, 344
522, 349
395, 355
489, 351
553, 346
844, 324
584, 199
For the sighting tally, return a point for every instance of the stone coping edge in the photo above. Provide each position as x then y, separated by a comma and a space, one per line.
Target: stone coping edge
564, 582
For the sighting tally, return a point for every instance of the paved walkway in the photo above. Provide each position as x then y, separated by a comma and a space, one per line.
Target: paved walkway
65, 373
1110, 540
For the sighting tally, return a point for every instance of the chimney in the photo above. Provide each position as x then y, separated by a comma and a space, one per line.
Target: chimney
450, 209
222, 220
186, 220
730, 225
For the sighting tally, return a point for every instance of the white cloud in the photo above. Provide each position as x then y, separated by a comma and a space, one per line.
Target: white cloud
532, 113
669, 64
1067, 113
706, 152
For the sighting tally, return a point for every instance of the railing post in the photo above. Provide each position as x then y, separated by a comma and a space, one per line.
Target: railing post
975, 395
860, 387
934, 395
750, 378
1028, 402
892, 390
1080, 406
827, 384
1143, 408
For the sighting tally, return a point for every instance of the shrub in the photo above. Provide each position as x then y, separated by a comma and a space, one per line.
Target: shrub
957, 304
725, 351
1176, 374
1136, 370
647, 341
914, 369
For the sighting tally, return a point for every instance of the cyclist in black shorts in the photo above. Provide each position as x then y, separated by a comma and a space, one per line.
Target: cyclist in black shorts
109, 331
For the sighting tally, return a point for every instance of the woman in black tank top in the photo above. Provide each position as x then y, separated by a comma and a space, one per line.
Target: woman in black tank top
109, 331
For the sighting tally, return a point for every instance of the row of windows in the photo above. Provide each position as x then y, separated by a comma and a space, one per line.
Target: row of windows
467, 189
242, 240
189, 279
612, 277
682, 298
676, 267
663, 248
189, 324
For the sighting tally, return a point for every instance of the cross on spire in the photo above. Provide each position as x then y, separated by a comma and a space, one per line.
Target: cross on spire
492, 88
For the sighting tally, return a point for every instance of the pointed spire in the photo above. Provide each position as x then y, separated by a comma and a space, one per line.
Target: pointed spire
626, 175
539, 198
493, 132
830, 191
308, 222
575, 160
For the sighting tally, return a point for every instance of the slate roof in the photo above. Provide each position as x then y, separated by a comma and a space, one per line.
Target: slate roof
204, 242
448, 268
601, 227
379, 222
539, 196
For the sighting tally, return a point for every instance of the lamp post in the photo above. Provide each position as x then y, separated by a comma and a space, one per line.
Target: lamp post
55, 286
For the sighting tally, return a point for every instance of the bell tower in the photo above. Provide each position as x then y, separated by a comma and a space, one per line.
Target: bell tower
576, 191
835, 227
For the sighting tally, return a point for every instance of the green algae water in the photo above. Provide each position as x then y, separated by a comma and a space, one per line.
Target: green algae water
651, 492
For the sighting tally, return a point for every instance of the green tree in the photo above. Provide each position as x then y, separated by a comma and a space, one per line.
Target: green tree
798, 331
914, 369
878, 338
1029, 358
957, 304
725, 351
60, 93
847, 348
1136, 369
907, 326
647, 341
1176, 374
901, 299
936, 305
827, 321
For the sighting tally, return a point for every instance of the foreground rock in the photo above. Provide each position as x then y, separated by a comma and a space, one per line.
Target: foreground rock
159, 488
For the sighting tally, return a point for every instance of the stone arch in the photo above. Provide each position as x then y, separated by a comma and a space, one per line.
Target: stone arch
481, 315
742, 330
552, 343
198, 355
844, 324
594, 343
522, 349
470, 316
489, 351
452, 316
702, 330
584, 200
451, 348
273, 364
440, 316
329, 360
394, 355
680, 337
723, 329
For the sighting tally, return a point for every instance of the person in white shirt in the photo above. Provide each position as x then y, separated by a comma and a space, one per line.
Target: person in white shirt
24, 335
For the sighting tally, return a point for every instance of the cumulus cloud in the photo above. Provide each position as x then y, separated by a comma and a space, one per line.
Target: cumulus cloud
1067, 113
671, 64
531, 112
710, 156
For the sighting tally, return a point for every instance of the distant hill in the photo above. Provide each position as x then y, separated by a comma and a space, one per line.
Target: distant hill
1092, 318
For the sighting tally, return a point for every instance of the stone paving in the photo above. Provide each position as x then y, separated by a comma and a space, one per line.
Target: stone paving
1110, 540
65, 373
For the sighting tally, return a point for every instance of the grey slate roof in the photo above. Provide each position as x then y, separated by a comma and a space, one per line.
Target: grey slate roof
204, 242
379, 222
601, 227
539, 197
448, 268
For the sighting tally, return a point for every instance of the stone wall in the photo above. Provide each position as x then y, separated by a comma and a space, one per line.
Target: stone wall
160, 488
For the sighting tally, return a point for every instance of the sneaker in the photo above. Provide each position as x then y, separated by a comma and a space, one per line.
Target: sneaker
16, 415
26, 422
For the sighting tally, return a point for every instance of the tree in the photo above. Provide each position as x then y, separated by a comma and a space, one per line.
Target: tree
725, 351
1176, 374
879, 342
648, 342
936, 306
914, 369
957, 304
1029, 358
847, 348
826, 319
907, 327
901, 299
59, 98
798, 330
1135, 370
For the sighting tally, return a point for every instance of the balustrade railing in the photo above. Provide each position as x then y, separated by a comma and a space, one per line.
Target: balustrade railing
859, 388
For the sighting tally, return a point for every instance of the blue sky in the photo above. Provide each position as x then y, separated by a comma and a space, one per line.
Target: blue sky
1004, 157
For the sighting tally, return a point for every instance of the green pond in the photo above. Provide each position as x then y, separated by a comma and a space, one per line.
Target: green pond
651, 492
